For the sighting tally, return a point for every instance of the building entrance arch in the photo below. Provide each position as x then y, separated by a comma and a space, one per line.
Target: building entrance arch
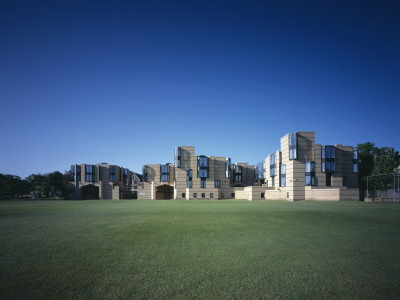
164, 192
90, 192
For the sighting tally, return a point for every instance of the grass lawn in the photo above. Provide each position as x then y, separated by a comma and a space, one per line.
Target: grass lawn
137, 249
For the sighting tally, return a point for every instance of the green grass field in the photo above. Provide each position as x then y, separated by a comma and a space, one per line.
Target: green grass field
199, 249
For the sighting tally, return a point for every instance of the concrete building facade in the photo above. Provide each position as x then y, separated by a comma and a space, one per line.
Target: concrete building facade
299, 170
195, 177
303, 170
102, 181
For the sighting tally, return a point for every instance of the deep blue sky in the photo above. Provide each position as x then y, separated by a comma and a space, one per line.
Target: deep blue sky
124, 82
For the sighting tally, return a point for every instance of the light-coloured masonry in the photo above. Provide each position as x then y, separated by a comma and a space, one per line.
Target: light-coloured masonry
102, 181
299, 170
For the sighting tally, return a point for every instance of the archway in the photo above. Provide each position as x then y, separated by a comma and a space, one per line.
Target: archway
89, 192
164, 192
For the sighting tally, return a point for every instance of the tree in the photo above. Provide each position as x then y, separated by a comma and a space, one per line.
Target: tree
376, 161
54, 184
37, 183
366, 163
13, 186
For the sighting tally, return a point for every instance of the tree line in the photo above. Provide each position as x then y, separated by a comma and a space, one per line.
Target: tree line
376, 161
51, 185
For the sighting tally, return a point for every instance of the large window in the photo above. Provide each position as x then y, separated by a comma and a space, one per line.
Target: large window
238, 173
292, 145
272, 165
282, 177
90, 173
164, 172
177, 157
78, 173
203, 183
228, 167
189, 176
144, 170
355, 160
328, 159
202, 166
310, 173
125, 176
112, 173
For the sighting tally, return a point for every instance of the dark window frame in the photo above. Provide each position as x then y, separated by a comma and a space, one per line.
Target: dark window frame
310, 173
272, 165
178, 157
238, 173
203, 183
293, 146
282, 175
216, 183
328, 159
189, 178
90, 173
228, 167
203, 164
144, 171
355, 160
112, 173
164, 173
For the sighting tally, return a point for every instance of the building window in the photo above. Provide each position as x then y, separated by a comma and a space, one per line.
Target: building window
264, 169
203, 195
273, 181
272, 165
144, 171
183, 195
194, 195
282, 177
262, 195
112, 173
78, 173
189, 177
90, 173
355, 160
222, 195
216, 183
211, 195
178, 157
233, 195
228, 167
328, 179
203, 183
237, 173
328, 159
292, 146
202, 166
164, 172
344, 180
135, 182
125, 177
310, 173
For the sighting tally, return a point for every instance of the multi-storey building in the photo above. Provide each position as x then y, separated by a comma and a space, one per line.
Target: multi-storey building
195, 177
102, 181
300, 170
303, 170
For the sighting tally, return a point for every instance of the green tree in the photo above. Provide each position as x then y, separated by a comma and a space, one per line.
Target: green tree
54, 184
366, 163
13, 186
376, 161
37, 182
